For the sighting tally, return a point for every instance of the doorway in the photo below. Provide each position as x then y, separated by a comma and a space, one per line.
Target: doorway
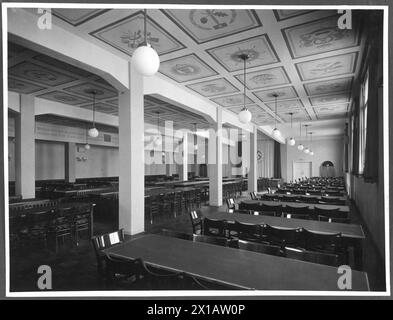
302, 169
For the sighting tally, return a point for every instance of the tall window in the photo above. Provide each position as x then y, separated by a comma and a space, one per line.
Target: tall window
363, 123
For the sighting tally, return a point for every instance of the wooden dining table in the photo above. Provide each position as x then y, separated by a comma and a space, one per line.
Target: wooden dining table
309, 196
242, 269
352, 234
311, 206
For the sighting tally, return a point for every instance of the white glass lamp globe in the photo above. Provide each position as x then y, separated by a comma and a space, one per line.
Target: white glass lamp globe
87, 146
93, 132
307, 151
157, 140
245, 116
145, 60
276, 133
300, 147
291, 141
311, 153
196, 147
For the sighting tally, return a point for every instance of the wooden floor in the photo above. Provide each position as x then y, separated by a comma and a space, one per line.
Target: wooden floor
74, 268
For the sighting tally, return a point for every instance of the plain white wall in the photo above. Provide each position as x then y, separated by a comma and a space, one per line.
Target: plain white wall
325, 148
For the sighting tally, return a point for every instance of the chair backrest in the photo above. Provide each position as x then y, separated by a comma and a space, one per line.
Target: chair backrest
331, 213
269, 208
283, 236
334, 220
322, 241
253, 196
108, 240
312, 256
196, 221
176, 234
231, 203
214, 227
260, 248
295, 210
220, 241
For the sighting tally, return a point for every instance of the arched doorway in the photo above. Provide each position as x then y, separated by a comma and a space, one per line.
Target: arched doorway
327, 169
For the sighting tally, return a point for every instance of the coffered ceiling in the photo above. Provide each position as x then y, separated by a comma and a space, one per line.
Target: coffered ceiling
300, 55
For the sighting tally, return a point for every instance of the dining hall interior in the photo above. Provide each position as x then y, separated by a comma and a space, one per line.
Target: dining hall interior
195, 149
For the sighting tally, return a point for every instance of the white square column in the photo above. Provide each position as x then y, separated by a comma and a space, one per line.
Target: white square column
253, 170
245, 152
25, 148
215, 162
70, 162
183, 173
131, 156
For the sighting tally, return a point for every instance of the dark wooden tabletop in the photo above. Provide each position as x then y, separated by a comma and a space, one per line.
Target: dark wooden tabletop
298, 204
311, 196
245, 269
354, 231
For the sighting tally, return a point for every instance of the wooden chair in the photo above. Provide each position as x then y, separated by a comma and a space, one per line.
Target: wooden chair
311, 256
220, 241
62, 226
231, 205
82, 221
102, 242
253, 196
277, 209
214, 227
176, 234
196, 222
330, 213
296, 212
323, 242
260, 247
283, 237
248, 232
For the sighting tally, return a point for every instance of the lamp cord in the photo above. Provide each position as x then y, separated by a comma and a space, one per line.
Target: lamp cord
275, 108
94, 110
145, 24
244, 95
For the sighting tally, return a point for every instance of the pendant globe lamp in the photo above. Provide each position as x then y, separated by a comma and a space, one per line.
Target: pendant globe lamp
87, 145
306, 150
300, 147
291, 140
276, 133
145, 59
244, 115
93, 132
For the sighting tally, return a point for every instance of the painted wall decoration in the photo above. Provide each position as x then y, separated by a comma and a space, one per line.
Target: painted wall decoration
286, 14
186, 68
327, 67
330, 99
232, 100
77, 17
126, 34
283, 94
62, 97
319, 36
265, 78
39, 74
213, 87
22, 86
208, 24
328, 86
259, 49
84, 89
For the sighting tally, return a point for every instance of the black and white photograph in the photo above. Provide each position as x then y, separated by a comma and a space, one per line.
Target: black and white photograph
195, 150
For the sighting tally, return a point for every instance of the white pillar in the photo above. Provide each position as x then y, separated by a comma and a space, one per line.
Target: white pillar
131, 156
215, 162
253, 170
70, 162
25, 148
245, 152
183, 173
